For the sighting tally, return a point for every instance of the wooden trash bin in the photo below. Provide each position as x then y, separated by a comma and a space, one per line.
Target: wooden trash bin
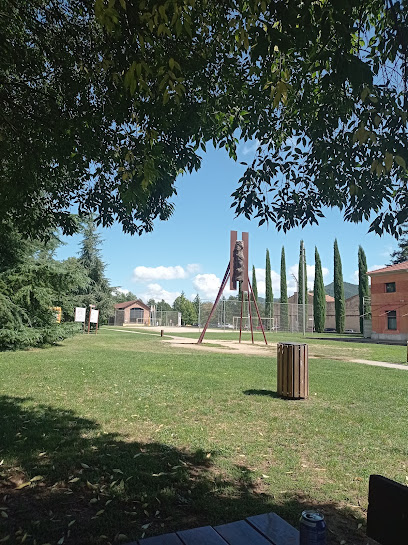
293, 370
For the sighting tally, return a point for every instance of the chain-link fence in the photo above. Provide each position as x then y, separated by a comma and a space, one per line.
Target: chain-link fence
165, 318
277, 317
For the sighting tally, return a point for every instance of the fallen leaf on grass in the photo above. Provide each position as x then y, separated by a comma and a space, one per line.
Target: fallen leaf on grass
22, 485
4, 514
146, 526
74, 480
85, 466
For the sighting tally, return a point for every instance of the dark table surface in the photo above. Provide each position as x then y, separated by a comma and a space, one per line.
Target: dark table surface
258, 530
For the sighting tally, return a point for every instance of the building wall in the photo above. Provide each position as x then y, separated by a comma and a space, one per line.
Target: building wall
382, 302
352, 310
146, 315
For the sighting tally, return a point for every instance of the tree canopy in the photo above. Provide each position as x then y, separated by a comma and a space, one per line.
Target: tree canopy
104, 104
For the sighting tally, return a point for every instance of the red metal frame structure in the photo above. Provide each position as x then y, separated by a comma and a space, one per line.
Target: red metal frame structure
245, 287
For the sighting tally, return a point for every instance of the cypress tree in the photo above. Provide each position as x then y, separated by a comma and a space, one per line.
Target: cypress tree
284, 310
363, 289
254, 285
319, 296
302, 285
268, 288
339, 305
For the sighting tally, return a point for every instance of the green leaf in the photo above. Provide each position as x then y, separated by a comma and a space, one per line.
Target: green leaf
400, 161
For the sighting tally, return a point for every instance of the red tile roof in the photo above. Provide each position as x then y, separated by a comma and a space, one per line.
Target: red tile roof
329, 298
397, 267
126, 304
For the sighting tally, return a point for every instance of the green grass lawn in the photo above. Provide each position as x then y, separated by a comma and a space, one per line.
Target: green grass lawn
320, 344
109, 437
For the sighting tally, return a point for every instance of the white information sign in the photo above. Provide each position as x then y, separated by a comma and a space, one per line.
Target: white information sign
94, 316
80, 314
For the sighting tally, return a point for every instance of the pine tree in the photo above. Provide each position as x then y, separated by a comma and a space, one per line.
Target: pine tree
363, 289
187, 309
339, 305
268, 288
319, 296
401, 254
254, 284
98, 292
284, 309
197, 303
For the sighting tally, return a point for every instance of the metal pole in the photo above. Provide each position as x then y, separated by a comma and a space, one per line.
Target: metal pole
257, 310
250, 316
223, 284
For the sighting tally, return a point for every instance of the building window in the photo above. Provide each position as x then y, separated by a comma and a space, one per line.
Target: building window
136, 315
390, 287
392, 319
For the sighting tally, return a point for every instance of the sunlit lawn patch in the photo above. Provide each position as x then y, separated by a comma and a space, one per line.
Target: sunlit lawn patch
111, 436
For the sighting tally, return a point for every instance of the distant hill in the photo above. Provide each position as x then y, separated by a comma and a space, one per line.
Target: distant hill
349, 289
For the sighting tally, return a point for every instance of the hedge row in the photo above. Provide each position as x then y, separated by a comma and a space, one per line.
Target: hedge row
29, 337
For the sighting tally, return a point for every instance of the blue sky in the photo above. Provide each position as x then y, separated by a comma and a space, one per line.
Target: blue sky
190, 251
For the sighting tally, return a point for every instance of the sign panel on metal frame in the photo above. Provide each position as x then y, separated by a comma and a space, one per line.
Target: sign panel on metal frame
80, 314
94, 316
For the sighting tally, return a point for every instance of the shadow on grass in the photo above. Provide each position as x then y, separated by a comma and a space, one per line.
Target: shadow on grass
267, 393
65, 481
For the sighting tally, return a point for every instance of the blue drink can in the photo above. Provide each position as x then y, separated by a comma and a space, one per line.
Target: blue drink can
312, 528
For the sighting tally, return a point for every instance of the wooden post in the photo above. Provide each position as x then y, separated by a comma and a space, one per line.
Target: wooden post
161, 333
240, 323
89, 319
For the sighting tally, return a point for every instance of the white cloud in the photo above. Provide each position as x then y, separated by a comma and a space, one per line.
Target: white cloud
260, 282
146, 274
156, 292
371, 268
248, 148
193, 268
120, 290
207, 286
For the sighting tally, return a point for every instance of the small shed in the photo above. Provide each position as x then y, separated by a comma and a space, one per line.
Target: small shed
132, 312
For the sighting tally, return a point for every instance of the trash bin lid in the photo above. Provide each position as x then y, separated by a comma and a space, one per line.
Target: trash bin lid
293, 343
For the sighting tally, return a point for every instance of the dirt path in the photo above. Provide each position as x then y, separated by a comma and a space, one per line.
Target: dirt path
247, 348
257, 349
